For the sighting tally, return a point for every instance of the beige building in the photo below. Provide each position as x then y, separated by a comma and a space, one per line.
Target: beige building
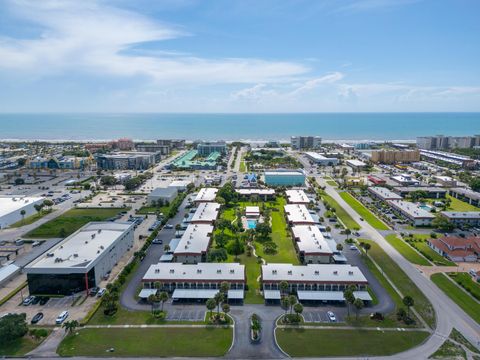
395, 156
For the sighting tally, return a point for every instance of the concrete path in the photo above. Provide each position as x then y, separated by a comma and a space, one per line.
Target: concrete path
49, 347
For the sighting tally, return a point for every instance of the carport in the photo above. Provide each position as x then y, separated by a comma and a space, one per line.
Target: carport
330, 296
271, 296
204, 294
145, 293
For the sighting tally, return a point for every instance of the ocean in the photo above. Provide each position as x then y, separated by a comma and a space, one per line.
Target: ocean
330, 126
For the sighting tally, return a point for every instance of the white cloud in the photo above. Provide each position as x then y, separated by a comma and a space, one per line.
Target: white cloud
90, 36
314, 83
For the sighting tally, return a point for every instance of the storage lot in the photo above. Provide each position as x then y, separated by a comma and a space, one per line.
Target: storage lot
320, 316
186, 315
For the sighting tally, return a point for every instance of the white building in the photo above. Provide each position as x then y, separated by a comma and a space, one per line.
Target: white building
262, 193
305, 142
180, 185
206, 195
193, 245
356, 165
297, 197
412, 212
405, 180
81, 260
321, 160
166, 194
311, 245
383, 194
12, 206
206, 213
194, 282
298, 215
314, 282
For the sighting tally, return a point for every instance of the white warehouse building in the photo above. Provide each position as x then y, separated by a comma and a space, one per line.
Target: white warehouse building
81, 260
11, 208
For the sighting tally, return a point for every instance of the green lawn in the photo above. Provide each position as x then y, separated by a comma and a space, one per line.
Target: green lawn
31, 219
465, 301
71, 221
406, 250
438, 259
402, 282
466, 281
364, 212
449, 350
318, 342
459, 205
19, 347
332, 183
153, 210
341, 213
154, 342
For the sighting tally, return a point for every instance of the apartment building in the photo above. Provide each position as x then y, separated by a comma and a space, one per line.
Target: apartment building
395, 156
441, 142
305, 142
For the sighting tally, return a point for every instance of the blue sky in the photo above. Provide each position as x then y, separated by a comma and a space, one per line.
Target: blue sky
239, 56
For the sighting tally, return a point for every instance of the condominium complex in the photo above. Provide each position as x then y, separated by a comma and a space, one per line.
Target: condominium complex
440, 142
285, 177
321, 159
127, 160
447, 158
162, 149
206, 148
305, 142
395, 156
416, 215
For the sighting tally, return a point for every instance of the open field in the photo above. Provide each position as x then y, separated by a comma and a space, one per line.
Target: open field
328, 342
402, 282
341, 213
154, 342
31, 219
459, 205
332, 183
153, 210
20, 347
366, 214
467, 282
71, 221
465, 301
406, 250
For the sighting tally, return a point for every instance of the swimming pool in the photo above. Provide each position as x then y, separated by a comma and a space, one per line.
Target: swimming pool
251, 224
425, 207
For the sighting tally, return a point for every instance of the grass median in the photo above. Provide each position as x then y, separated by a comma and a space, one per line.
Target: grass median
328, 342
402, 282
454, 292
406, 250
154, 342
72, 220
340, 211
366, 214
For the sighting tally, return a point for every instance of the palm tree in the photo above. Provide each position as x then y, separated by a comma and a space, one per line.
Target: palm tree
211, 305
347, 232
226, 308
349, 298
151, 299
408, 302
224, 287
292, 300
298, 308
283, 287
163, 296
23, 212
367, 247
166, 248
339, 247
70, 326
219, 298
358, 303
285, 304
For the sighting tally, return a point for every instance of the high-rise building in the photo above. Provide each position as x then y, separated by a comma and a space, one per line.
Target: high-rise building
395, 156
305, 142
441, 142
125, 144
206, 148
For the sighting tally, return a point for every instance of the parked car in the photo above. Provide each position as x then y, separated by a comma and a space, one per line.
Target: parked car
93, 291
169, 226
101, 292
44, 300
61, 317
37, 318
331, 316
36, 300
36, 243
28, 300
353, 247
157, 241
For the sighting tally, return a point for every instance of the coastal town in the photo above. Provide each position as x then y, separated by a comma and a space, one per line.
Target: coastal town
240, 249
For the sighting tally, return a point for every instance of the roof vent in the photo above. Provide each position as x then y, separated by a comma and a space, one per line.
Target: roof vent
274, 272
75, 255
199, 271
335, 272
289, 272
232, 271
157, 271
350, 273
317, 272
172, 271
219, 271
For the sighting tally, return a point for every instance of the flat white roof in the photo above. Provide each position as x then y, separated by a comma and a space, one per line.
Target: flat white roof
9, 204
83, 247
310, 240
411, 209
330, 273
297, 197
284, 172
384, 193
206, 194
462, 214
298, 214
252, 210
206, 212
315, 156
194, 240
256, 191
195, 272
180, 183
355, 162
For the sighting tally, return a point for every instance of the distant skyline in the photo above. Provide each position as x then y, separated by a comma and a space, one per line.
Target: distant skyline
219, 56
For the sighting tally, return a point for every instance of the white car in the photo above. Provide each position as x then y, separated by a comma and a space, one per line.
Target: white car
353, 247
169, 226
61, 317
331, 316
101, 292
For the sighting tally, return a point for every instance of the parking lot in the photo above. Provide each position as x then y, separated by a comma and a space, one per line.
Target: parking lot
186, 315
319, 316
